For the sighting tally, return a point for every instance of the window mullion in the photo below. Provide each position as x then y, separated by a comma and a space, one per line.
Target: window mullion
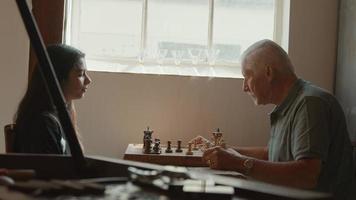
210, 24
278, 21
143, 30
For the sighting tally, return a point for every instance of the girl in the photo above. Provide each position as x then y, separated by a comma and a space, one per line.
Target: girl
37, 127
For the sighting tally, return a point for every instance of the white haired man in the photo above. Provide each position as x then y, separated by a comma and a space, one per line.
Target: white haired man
309, 146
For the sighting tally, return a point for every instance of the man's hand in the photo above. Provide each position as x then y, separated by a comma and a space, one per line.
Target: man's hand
199, 140
223, 159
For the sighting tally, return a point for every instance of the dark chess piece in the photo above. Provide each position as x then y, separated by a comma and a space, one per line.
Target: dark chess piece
147, 146
169, 148
156, 147
179, 146
147, 135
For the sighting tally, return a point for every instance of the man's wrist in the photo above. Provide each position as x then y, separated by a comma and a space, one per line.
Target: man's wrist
248, 164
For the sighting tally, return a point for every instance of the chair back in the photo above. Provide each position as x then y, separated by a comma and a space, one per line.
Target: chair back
9, 137
354, 154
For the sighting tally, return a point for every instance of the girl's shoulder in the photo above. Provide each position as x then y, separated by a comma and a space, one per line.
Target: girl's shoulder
49, 116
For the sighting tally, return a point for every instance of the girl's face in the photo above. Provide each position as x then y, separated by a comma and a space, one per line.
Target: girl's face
77, 83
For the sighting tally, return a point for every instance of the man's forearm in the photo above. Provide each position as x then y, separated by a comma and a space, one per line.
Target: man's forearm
301, 174
255, 152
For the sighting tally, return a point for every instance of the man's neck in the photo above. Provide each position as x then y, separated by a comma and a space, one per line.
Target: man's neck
283, 88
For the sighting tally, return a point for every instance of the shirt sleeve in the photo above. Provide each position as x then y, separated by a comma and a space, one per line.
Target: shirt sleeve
49, 135
310, 138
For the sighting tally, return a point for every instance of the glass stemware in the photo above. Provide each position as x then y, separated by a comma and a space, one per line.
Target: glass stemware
177, 56
161, 54
212, 55
195, 55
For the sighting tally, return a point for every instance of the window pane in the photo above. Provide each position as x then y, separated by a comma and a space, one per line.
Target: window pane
176, 39
239, 23
176, 25
109, 29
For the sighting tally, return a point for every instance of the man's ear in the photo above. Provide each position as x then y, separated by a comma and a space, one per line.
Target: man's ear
269, 73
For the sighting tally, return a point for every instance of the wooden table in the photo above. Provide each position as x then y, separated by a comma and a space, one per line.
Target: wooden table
134, 152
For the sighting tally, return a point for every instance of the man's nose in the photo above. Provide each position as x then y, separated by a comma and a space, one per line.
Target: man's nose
87, 79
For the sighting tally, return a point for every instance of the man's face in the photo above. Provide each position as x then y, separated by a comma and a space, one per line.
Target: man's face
77, 83
256, 83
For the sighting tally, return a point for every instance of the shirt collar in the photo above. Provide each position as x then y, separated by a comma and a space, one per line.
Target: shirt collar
282, 108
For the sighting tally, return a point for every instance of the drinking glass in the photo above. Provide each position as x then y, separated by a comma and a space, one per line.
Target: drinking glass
177, 56
141, 56
195, 55
161, 55
212, 55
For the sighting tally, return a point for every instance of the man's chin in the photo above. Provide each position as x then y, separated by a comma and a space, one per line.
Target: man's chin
255, 101
258, 103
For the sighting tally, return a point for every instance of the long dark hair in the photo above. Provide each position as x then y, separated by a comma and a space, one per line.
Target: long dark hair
36, 99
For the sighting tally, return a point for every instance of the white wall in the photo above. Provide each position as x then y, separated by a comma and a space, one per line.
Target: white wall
14, 48
313, 39
118, 107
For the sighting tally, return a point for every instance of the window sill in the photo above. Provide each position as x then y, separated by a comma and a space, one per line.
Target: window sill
180, 70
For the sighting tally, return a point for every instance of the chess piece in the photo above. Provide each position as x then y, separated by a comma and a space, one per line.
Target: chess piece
147, 135
156, 147
147, 146
179, 146
199, 143
189, 152
217, 137
169, 148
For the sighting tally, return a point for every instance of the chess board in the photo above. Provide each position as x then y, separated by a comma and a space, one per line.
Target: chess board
134, 152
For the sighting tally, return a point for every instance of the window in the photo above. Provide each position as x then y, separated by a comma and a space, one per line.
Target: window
181, 37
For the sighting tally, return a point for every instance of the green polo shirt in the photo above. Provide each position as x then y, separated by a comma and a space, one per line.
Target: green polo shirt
310, 123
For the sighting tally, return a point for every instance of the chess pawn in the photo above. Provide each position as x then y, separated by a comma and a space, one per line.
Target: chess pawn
179, 146
147, 135
189, 152
169, 148
156, 147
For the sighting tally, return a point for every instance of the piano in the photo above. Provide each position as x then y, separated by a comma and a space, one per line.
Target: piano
148, 179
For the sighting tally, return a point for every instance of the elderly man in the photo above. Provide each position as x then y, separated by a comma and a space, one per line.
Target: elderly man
309, 146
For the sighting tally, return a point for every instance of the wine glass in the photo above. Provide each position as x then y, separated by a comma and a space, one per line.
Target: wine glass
195, 55
161, 54
177, 55
212, 55
141, 56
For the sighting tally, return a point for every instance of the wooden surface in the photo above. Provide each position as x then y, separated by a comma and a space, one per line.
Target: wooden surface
64, 167
134, 152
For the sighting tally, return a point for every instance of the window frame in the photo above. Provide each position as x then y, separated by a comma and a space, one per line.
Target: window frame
277, 37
